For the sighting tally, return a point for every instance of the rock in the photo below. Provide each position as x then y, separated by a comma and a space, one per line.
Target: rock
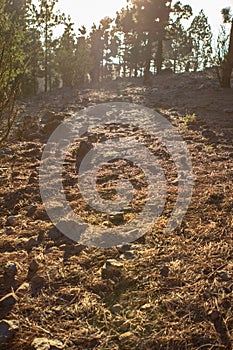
224, 276
124, 248
116, 308
164, 271
129, 255
228, 110
31, 210
40, 214
10, 270
12, 220
47, 344
51, 116
215, 315
31, 243
54, 234
117, 218
113, 263
84, 148
71, 250
37, 283
208, 134
33, 267
7, 330
50, 127
112, 269
125, 327
33, 178
175, 183
8, 301
10, 230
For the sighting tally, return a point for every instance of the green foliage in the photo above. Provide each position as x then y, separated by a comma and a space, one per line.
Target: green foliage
46, 19
65, 56
178, 45
12, 64
190, 119
201, 37
100, 48
152, 19
146, 35
83, 61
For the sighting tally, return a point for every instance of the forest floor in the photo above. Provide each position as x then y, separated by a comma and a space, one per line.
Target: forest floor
162, 291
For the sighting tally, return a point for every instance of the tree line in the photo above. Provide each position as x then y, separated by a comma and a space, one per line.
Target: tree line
143, 39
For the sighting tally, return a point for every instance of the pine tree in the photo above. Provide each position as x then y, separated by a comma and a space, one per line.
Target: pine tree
12, 63
83, 59
178, 43
47, 19
201, 36
65, 55
152, 18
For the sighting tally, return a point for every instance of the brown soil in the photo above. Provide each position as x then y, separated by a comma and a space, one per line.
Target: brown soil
173, 292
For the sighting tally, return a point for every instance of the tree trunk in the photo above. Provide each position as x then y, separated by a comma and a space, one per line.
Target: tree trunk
159, 60
148, 58
46, 53
135, 70
228, 64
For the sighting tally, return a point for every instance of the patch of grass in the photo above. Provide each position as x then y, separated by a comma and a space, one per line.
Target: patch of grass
190, 119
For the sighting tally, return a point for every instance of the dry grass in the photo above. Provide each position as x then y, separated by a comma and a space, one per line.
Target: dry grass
188, 307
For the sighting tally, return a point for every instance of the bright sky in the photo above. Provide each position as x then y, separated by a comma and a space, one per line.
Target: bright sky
88, 11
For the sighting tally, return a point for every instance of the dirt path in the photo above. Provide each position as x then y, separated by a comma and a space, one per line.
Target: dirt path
161, 292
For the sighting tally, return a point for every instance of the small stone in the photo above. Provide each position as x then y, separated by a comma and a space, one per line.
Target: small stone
125, 327
129, 255
7, 329
31, 243
117, 308
50, 127
124, 248
31, 210
117, 218
47, 344
33, 266
208, 134
33, 178
54, 234
112, 263
111, 269
8, 301
215, 315
10, 230
175, 183
71, 250
37, 283
228, 110
12, 221
10, 270
224, 276
164, 271
84, 148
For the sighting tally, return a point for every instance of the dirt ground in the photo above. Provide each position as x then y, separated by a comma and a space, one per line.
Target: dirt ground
160, 292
